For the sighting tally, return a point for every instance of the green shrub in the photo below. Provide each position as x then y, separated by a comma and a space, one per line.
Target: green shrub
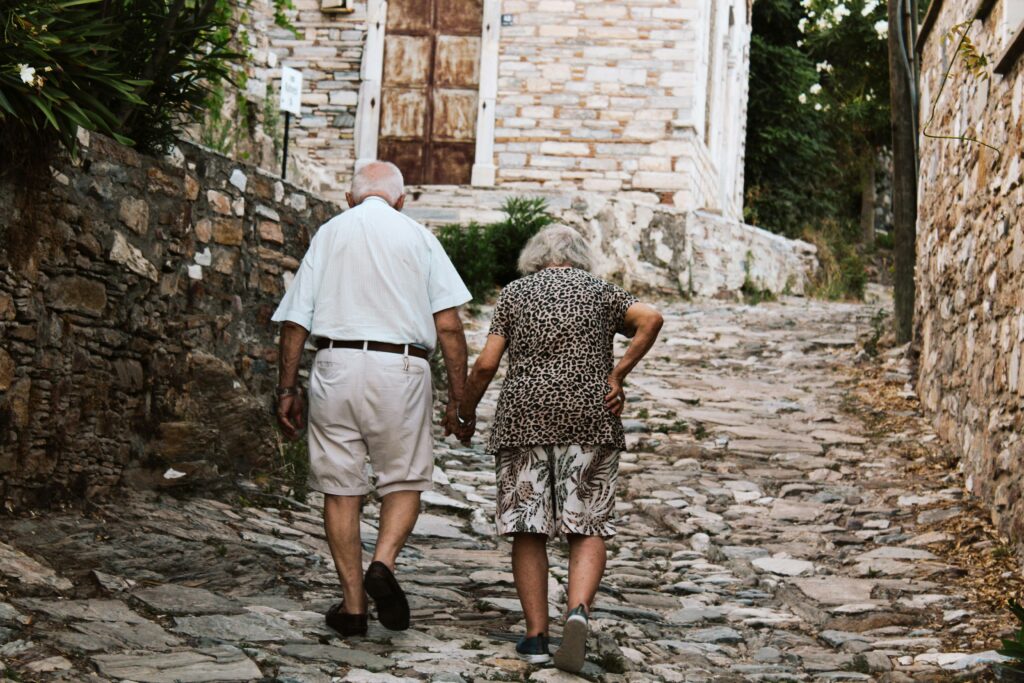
181, 50
1014, 647
137, 70
841, 273
526, 217
59, 69
472, 252
853, 273
486, 255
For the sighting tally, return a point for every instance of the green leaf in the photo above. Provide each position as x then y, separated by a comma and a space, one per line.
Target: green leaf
45, 108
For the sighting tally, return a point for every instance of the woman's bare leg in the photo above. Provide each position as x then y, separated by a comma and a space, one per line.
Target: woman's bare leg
530, 570
587, 555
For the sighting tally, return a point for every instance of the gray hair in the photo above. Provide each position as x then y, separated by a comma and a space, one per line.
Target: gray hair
555, 245
378, 178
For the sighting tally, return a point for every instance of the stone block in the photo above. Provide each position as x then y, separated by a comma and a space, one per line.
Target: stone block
228, 231
191, 188
132, 258
610, 74
345, 98
225, 261
134, 213
77, 294
7, 369
165, 183
557, 31
204, 230
219, 202
602, 184
565, 148
238, 179
659, 181
270, 231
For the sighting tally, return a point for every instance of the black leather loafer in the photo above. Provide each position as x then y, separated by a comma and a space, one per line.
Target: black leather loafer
344, 623
392, 606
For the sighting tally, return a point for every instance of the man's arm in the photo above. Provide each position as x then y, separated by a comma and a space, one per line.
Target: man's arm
289, 407
484, 369
452, 337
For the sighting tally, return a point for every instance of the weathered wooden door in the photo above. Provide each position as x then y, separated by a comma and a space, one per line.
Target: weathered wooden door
429, 89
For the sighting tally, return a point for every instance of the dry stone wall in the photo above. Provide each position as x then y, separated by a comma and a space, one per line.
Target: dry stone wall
135, 333
970, 270
645, 245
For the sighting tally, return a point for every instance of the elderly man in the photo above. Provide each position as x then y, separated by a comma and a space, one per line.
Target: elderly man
375, 289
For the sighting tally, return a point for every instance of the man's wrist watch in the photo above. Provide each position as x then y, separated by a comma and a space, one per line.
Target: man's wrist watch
288, 391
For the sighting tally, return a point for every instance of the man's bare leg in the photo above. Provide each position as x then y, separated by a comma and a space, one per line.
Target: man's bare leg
398, 513
341, 522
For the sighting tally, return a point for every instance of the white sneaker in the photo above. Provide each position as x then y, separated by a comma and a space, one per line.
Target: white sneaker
573, 651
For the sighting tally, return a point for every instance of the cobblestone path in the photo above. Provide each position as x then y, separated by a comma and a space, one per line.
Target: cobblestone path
764, 536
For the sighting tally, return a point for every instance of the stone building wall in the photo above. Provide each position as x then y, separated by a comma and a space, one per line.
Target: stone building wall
135, 297
592, 95
970, 270
328, 49
608, 96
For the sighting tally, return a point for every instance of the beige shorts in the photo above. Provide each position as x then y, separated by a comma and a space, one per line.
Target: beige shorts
369, 418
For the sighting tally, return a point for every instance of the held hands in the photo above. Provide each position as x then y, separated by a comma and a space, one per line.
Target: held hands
462, 426
289, 414
615, 399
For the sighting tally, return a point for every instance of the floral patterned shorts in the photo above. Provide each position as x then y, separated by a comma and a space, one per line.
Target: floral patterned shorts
557, 489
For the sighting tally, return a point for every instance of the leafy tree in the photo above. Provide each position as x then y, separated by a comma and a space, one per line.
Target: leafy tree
818, 113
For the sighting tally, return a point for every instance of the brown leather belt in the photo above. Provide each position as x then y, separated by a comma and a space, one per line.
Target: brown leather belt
384, 347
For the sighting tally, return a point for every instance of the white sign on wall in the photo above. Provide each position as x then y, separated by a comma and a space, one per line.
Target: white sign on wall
291, 90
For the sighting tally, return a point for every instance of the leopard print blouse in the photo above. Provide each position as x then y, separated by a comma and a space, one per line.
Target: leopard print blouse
559, 324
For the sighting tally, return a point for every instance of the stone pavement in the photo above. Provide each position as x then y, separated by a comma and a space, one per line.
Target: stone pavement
764, 536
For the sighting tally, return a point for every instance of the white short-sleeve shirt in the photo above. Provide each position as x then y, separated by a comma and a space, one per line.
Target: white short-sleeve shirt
373, 274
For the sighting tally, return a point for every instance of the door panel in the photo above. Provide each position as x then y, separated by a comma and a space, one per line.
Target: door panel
407, 155
452, 163
407, 60
403, 113
409, 16
457, 62
460, 17
454, 115
429, 89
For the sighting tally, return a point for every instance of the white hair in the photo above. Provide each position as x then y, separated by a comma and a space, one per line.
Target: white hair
378, 178
555, 245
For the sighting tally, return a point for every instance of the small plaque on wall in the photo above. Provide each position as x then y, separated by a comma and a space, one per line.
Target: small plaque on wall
506, 20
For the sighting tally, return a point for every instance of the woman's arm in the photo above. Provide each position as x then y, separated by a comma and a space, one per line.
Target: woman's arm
644, 322
484, 369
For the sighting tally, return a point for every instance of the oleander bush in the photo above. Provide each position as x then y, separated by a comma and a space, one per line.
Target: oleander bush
137, 70
59, 70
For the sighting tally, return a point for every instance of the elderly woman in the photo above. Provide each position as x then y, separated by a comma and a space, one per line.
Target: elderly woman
557, 433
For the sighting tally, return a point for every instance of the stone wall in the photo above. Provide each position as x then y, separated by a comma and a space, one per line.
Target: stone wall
328, 49
645, 245
592, 95
607, 96
135, 297
970, 271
